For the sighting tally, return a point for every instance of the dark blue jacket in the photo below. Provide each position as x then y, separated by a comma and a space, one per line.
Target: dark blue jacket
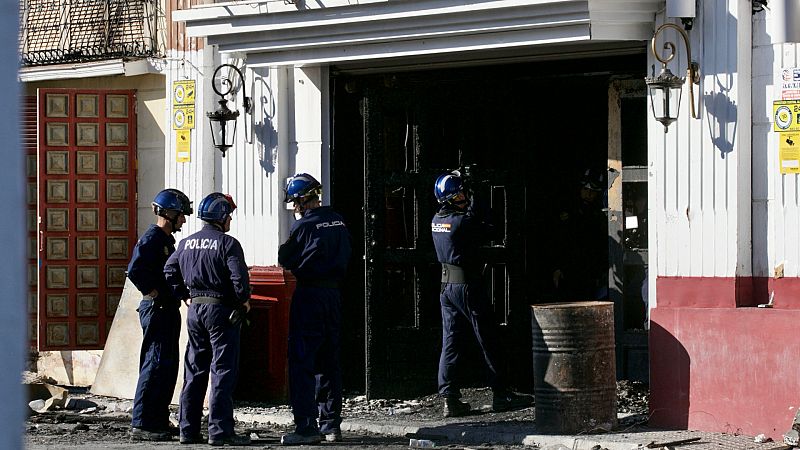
457, 235
146, 269
209, 263
318, 247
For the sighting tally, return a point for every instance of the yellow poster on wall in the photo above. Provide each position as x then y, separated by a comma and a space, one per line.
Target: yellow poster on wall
183, 145
182, 117
786, 115
183, 92
789, 151
183, 95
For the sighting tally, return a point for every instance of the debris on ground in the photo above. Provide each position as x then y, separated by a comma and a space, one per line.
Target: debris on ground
632, 397
792, 437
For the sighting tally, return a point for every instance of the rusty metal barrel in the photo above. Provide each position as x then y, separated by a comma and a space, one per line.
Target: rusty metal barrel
574, 373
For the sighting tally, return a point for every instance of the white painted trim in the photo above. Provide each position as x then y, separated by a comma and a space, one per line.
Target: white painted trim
145, 66
352, 30
744, 184
516, 39
91, 69
76, 70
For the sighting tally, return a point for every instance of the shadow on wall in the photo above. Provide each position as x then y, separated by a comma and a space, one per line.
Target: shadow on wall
669, 380
721, 112
265, 131
66, 357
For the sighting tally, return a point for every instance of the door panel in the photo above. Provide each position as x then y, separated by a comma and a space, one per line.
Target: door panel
87, 209
411, 137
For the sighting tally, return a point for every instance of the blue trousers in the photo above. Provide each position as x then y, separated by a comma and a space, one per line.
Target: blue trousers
466, 311
315, 378
213, 350
158, 365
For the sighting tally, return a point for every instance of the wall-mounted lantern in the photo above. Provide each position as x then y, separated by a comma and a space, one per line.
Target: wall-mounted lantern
666, 88
223, 120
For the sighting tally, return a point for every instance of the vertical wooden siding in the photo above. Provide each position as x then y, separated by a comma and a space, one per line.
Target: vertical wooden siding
695, 167
250, 171
776, 197
176, 34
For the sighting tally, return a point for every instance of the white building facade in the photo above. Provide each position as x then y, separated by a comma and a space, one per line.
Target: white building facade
723, 234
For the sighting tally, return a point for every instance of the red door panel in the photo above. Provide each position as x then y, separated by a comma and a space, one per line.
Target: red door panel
86, 210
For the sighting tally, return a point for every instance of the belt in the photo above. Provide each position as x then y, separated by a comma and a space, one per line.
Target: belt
209, 300
454, 274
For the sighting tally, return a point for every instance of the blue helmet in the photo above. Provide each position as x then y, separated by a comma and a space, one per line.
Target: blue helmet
448, 186
171, 200
301, 185
216, 207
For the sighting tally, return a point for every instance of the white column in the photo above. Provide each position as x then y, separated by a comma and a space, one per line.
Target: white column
307, 141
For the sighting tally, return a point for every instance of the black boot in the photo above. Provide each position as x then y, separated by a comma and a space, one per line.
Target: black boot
454, 407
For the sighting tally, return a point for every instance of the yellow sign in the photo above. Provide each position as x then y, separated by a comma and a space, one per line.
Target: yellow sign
183, 145
183, 117
789, 151
786, 115
183, 92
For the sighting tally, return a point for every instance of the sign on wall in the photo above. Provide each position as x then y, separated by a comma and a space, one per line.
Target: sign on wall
183, 111
786, 115
183, 145
790, 83
183, 116
789, 151
786, 121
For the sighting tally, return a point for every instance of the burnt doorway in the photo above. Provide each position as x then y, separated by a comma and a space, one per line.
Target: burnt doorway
528, 130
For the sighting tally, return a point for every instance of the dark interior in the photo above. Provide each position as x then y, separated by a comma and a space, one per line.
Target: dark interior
530, 130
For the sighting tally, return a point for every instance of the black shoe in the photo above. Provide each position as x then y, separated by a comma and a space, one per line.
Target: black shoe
510, 401
454, 407
192, 439
234, 439
140, 434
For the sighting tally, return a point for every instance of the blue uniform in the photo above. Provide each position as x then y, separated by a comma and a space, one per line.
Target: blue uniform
161, 326
464, 303
317, 253
209, 267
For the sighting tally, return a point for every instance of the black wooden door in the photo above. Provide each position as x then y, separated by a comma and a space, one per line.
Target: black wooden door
413, 134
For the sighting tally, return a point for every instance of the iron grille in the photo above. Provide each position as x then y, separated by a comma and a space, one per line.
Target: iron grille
62, 31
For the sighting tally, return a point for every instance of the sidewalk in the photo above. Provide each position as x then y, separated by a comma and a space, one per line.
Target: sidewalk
483, 429
421, 418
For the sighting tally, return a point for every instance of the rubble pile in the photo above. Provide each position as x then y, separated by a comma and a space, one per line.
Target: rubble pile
632, 397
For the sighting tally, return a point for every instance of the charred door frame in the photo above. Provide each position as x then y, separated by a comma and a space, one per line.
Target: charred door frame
629, 344
506, 260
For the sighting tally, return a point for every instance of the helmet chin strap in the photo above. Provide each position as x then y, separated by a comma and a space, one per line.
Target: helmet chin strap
173, 221
302, 209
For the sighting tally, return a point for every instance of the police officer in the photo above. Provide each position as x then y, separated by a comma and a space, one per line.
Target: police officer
208, 271
317, 253
457, 233
159, 317
581, 237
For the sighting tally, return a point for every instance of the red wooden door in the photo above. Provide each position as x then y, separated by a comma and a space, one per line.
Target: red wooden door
87, 212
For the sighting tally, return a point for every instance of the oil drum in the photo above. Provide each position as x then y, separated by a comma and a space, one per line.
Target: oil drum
574, 373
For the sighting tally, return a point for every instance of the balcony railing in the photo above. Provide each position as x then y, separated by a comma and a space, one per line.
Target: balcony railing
65, 31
